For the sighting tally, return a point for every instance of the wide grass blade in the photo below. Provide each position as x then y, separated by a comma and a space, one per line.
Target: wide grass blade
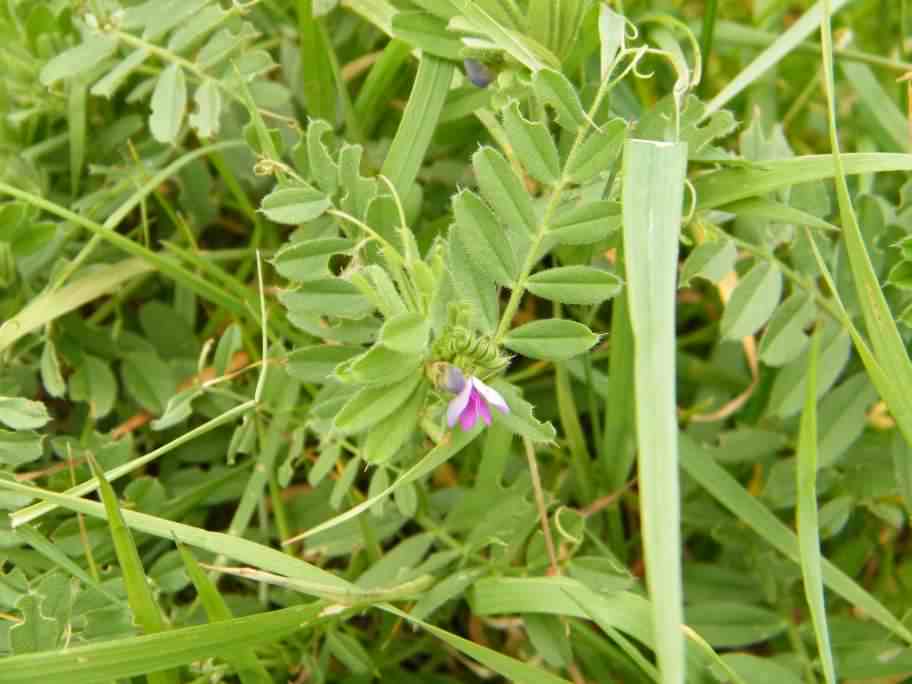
654, 175
715, 190
242, 550
413, 136
50, 306
317, 82
807, 519
134, 656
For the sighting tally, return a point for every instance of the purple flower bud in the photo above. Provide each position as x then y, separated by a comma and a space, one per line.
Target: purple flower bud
478, 73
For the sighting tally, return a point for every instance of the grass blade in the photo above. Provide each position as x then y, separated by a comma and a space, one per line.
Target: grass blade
719, 188
139, 593
317, 83
242, 550
888, 346
52, 305
807, 523
654, 175
783, 45
123, 658
249, 668
418, 122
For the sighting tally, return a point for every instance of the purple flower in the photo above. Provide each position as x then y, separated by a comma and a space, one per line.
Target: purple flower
471, 400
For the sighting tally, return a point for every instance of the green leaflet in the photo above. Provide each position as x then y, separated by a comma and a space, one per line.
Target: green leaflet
294, 204
575, 284
533, 145
552, 339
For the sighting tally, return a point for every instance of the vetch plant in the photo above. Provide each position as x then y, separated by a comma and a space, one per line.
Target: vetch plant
320, 317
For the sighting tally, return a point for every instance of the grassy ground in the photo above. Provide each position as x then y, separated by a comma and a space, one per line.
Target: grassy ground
452, 341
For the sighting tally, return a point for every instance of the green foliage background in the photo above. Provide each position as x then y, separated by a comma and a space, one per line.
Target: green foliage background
242, 244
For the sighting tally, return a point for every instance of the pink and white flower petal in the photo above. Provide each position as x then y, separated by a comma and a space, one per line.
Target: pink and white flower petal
492, 396
469, 417
458, 404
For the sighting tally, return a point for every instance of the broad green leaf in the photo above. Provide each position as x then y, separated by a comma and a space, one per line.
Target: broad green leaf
758, 670
317, 363
586, 223
503, 190
388, 436
169, 104
23, 414
17, 448
294, 204
51, 375
327, 296
375, 283
532, 144
710, 260
752, 302
729, 625
521, 419
484, 238
228, 345
784, 338
79, 59
842, 417
787, 393
372, 404
360, 191
599, 152
553, 88
612, 30
653, 192
148, 380
323, 169
378, 366
309, 259
551, 339
408, 333
36, 632
471, 285
206, 118
575, 284
178, 408
94, 382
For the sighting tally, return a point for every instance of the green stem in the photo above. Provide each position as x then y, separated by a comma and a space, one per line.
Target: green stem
532, 256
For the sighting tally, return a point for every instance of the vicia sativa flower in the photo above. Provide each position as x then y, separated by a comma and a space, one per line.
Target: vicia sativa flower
473, 400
